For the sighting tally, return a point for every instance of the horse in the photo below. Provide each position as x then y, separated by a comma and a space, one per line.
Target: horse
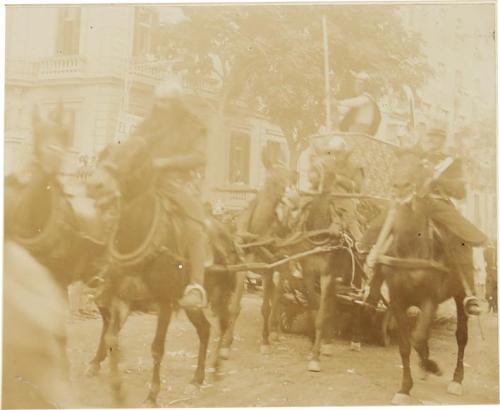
319, 225
35, 364
147, 263
43, 217
417, 270
257, 227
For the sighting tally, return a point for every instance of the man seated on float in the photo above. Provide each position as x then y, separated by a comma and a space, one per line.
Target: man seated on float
447, 185
348, 177
360, 112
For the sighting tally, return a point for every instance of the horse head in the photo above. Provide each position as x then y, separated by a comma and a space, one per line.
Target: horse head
122, 170
51, 139
410, 222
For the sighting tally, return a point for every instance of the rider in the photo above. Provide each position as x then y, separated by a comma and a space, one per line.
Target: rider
179, 137
361, 112
447, 184
348, 178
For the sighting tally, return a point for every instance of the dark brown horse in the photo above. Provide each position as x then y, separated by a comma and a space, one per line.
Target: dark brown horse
320, 225
259, 226
43, 217
147, 263
419, 272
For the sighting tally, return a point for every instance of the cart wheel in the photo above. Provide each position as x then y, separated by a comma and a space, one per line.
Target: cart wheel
383, 327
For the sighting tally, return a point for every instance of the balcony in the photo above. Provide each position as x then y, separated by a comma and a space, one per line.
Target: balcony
150, 72
47, 69
61, 67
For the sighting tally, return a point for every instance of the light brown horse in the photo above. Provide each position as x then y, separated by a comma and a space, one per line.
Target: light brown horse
35, 365
41, 215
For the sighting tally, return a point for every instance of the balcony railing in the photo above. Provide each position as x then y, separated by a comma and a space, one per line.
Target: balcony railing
150, 71
61, 66
46, 69
71, 66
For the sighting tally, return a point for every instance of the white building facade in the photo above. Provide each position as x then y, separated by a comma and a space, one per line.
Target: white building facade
100, 62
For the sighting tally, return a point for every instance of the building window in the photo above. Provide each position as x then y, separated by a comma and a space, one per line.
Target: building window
239, 158
68, 31
144, 32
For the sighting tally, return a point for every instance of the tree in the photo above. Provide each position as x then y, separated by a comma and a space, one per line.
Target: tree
271, 56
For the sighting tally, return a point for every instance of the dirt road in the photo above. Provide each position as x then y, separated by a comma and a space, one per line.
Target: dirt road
369, 377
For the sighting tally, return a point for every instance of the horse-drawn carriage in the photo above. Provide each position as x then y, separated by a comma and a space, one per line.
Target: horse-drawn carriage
375, 157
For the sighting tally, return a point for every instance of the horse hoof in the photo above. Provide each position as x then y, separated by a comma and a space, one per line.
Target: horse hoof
265, 349
210, 379
273, 336
412, 312
149, 404
422, 374
401, 399
355, 346
455, 388
314, 366
224, 353
92, 370
327, 349
191, 389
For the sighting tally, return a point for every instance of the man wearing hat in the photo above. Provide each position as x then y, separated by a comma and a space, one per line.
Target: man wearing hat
361, 112
446, 185
177, 138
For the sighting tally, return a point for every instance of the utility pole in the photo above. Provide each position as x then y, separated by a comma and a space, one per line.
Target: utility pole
327, 76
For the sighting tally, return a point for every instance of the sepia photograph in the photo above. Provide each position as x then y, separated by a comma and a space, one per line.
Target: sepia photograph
250, 205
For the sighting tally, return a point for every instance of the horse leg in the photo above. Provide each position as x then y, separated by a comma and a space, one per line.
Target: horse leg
213, 368
402, 397
234, 312
268, 283
420, 338
455, 387
275, 306
95, 364
312, 303
357, 316
328, 330
222, 327
319, 322
157, 351
202, 326
119, 313
357, 311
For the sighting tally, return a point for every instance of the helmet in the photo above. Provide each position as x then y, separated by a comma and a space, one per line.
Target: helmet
335, 144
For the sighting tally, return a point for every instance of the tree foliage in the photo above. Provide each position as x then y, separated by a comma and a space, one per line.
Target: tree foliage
271, 56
